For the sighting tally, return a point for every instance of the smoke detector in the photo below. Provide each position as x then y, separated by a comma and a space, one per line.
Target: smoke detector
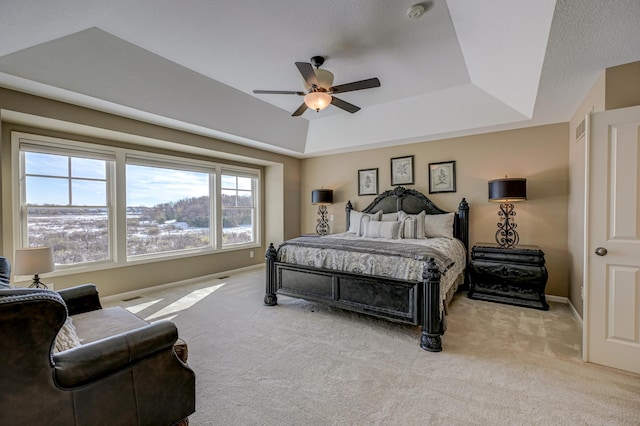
415, 11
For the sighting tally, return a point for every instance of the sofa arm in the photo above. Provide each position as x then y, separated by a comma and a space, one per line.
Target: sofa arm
90, 362
80, 299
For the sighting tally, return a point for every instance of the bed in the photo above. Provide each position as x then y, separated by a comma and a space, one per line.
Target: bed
349, 270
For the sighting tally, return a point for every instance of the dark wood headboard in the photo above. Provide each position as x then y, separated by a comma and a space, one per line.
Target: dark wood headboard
413, 202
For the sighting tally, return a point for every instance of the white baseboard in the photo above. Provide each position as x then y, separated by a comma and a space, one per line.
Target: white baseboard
565, 300
576, 315
557, 299
134, 293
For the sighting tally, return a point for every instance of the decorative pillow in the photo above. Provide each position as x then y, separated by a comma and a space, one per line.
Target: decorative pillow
390, 217
379, 229
357, 220
67, 337
439, 225
412, 224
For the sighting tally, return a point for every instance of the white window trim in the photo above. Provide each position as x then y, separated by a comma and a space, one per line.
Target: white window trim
117, 190
255, 189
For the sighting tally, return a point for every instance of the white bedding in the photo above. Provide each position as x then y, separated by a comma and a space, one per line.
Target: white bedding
405, 268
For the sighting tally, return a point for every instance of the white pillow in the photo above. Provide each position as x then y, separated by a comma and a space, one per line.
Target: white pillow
67, 337
412, 224
357, 220
439, 225
389, 217
380, 229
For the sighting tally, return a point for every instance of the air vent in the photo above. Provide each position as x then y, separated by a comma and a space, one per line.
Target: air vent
223, 278
580, 130
132, 298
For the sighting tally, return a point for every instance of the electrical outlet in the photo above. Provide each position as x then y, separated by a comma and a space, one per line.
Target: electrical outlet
331, 218
251, 254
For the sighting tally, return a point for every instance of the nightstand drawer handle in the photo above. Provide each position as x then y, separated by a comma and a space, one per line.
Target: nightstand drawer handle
601, 251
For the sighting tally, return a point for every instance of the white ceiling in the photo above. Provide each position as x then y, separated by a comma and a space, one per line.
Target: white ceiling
465, 67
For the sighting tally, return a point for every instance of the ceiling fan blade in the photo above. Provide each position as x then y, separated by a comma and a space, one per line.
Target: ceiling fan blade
356, 85
307, 72
344, 105
278, 92
302, 108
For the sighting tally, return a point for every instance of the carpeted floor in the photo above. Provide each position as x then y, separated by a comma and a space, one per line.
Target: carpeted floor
303, 364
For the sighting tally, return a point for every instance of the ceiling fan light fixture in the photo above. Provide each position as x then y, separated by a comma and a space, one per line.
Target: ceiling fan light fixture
317, 100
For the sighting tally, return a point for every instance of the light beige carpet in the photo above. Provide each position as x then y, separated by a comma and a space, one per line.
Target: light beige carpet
303, 364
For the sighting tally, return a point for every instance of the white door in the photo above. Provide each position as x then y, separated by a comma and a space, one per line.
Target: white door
612, 293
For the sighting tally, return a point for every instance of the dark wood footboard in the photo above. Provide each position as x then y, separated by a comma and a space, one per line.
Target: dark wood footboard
407, 302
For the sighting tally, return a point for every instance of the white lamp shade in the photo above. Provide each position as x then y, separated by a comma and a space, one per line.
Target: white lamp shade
33, 261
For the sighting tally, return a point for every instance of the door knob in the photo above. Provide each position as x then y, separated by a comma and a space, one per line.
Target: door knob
601, 251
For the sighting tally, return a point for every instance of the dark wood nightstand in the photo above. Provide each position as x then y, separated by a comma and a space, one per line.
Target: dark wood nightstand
516, 276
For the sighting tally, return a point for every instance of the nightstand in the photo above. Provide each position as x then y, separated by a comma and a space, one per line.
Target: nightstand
516, 276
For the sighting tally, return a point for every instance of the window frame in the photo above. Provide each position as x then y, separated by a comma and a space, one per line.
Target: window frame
21, 143
165, 162
116, 187
255, 186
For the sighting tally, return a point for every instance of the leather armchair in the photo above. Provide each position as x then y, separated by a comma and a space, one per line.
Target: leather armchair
130, 378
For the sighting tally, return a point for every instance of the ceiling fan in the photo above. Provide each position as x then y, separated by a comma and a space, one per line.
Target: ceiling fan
320, 91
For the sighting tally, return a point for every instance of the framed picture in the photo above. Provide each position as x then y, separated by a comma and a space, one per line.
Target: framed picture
368, 182
402, 170
442, 177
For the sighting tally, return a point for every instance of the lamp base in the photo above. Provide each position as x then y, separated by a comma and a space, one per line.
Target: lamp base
37, 283
506, 235
323, 225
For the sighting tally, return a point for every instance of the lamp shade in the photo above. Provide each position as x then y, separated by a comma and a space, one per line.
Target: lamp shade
507, 190
324, 77
322, 196
33, 261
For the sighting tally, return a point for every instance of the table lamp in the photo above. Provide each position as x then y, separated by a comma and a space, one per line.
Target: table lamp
322, 197
506, 192
34, 261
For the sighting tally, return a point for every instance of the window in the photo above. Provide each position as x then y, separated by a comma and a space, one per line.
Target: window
238, 209
66, 205
94, 203
167, 210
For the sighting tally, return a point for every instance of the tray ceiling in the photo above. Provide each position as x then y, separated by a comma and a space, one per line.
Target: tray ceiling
464, 67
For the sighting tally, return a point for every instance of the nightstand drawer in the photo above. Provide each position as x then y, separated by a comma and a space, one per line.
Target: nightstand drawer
515, 255
502, 272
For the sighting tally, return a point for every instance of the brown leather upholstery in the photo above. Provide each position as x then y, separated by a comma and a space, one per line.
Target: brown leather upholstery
129, 378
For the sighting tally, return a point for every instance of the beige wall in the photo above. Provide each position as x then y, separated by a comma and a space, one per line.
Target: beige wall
282, 175
539, 154
623, 86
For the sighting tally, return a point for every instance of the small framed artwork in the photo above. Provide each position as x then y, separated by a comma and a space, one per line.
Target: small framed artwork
442, 177
368, 182
402, 170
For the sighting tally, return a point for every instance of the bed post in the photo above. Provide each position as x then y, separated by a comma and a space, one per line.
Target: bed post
462, 233
270, 298
463, 223
431, 321
348, 209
